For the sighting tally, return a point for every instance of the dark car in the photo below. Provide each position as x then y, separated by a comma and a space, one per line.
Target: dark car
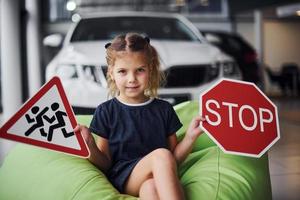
244, 54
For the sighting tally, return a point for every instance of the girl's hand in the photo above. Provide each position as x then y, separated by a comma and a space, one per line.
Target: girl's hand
194, 131
85, 132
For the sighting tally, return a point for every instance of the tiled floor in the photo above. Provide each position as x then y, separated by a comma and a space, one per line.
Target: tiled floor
284, 156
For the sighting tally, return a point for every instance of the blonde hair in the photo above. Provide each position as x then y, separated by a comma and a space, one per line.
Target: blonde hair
133, 42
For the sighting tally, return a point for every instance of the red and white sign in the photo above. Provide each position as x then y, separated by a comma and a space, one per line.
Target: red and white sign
240, 119
47, 120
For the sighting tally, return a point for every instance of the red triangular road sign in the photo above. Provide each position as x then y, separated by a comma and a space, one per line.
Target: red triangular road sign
47, 120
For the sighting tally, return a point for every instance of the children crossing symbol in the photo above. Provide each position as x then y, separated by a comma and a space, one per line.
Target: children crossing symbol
47, 120
39, 119
39, 123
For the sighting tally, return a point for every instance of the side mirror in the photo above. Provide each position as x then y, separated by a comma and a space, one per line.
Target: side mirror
53, 40
212, 38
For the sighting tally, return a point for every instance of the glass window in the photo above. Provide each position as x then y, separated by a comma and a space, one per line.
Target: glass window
156, 28
55, 11
205, 6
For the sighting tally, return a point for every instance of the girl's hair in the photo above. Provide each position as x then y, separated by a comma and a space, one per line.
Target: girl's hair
133, 42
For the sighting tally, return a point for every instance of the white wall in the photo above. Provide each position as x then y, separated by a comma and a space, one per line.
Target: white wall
282, 43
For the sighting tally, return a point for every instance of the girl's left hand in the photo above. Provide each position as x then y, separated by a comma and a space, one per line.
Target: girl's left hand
194, 131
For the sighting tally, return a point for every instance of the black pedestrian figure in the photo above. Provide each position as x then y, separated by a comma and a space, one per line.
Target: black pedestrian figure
38, 119
58, 116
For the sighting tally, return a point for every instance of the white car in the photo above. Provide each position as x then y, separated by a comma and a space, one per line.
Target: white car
190, 62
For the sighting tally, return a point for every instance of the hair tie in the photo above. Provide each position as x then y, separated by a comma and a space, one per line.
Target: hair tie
147, 39
107, 45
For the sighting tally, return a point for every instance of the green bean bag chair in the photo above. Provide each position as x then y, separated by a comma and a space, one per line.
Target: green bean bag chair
33, 173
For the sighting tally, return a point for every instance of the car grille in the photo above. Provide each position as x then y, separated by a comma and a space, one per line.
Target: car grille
189, 75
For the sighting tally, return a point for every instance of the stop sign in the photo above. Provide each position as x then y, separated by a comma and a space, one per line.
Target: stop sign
240, 119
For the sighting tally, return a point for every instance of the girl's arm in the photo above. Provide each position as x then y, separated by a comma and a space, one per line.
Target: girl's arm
99, 153
182, 149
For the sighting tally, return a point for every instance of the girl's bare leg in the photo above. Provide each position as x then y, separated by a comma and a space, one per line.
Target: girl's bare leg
161, 166
148, 190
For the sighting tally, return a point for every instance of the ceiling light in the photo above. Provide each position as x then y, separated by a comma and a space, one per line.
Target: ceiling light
76, 17
71, 5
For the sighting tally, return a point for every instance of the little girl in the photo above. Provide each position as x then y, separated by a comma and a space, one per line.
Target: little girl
137, 147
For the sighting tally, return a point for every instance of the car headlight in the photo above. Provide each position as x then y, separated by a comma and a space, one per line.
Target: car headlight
213, 71
66, 71
230, 69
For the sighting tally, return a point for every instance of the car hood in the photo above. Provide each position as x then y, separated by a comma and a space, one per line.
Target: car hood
170, 52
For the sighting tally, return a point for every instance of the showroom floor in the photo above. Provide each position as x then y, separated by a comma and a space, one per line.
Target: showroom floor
284, 156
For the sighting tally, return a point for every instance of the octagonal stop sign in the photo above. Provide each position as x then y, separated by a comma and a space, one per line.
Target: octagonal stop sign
239, 118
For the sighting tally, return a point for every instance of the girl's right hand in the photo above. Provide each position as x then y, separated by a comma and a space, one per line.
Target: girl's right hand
194, 130
85, 132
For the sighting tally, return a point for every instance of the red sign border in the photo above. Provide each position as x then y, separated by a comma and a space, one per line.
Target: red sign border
219, 144
55, 81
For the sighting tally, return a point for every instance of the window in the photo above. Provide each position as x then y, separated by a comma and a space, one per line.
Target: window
107, 28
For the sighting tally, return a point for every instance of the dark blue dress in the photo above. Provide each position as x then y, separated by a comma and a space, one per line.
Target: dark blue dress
133, 132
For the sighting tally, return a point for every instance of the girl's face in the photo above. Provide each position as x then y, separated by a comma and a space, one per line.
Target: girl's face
131, 76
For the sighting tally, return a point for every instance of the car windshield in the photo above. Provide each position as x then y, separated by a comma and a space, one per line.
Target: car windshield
107, 28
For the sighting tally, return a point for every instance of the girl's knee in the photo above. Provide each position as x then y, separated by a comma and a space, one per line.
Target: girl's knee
163, 156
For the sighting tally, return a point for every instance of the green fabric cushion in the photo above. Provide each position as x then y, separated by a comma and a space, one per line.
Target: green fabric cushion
33, 173
208, 173
186, 111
